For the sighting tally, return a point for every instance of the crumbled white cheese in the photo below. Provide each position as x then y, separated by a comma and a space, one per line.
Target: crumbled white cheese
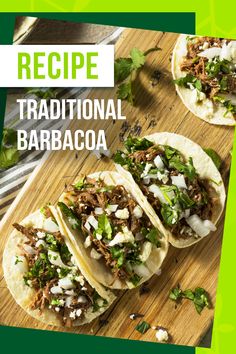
70, 292
138, 212
40, 234
122, 214
78, 312
73, 314
80, 279
162, 335
57, 309
94, 254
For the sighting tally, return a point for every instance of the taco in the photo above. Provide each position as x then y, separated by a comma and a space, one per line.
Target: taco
204, 72
44, 275
184, 189
109, 228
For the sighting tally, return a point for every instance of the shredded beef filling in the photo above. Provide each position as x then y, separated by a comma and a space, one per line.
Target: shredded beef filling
199, 190
43, 276
198, 67
96, 194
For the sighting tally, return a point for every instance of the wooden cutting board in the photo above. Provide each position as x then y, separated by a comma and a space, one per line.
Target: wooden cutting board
158, 108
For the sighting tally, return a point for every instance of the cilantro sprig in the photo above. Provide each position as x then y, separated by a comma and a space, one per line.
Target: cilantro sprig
199, 296
124, 70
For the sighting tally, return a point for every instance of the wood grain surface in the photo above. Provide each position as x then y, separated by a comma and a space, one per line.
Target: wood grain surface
195, 266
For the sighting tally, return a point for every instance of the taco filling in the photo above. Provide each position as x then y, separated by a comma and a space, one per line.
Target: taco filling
181, 199
52, 273
210, 70
113, 226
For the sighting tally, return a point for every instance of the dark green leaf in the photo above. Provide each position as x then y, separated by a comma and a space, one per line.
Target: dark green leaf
69, 214
153, 237
143, 327
138, 58
122, 69
135, 144
175, 294
214, 156
170, 215
124, 92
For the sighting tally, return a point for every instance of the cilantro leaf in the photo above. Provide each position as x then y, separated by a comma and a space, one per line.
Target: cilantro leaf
124, 92
9, 155
170, 215
189, 79
134, 144
143, 327
104, 226
199, 297
152, 236
122, 69
72, 218
214, 156
138, 58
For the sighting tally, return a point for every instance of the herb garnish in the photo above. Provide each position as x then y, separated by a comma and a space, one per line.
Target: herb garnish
9, 155
143, 327
104, 227
70, 215
214, 156
199, 297
42, 93
124, 68
187, 80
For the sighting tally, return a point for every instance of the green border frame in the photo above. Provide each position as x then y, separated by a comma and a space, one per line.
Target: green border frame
215, 19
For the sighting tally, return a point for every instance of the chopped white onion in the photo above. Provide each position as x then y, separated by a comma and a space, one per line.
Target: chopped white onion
87, 242
98, 211
209, 225
92, 221
55, 259
210, 53
158, 162
145, 251
122, 213
122, 237
50, 225
141, 270
69, 300
179, 181
56, 290
82, 299
196, 223
94, 254
40, 243
29, 249
187, 213
157, 193
138, 212
112, 207
146, 180
87, 226
66, 283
